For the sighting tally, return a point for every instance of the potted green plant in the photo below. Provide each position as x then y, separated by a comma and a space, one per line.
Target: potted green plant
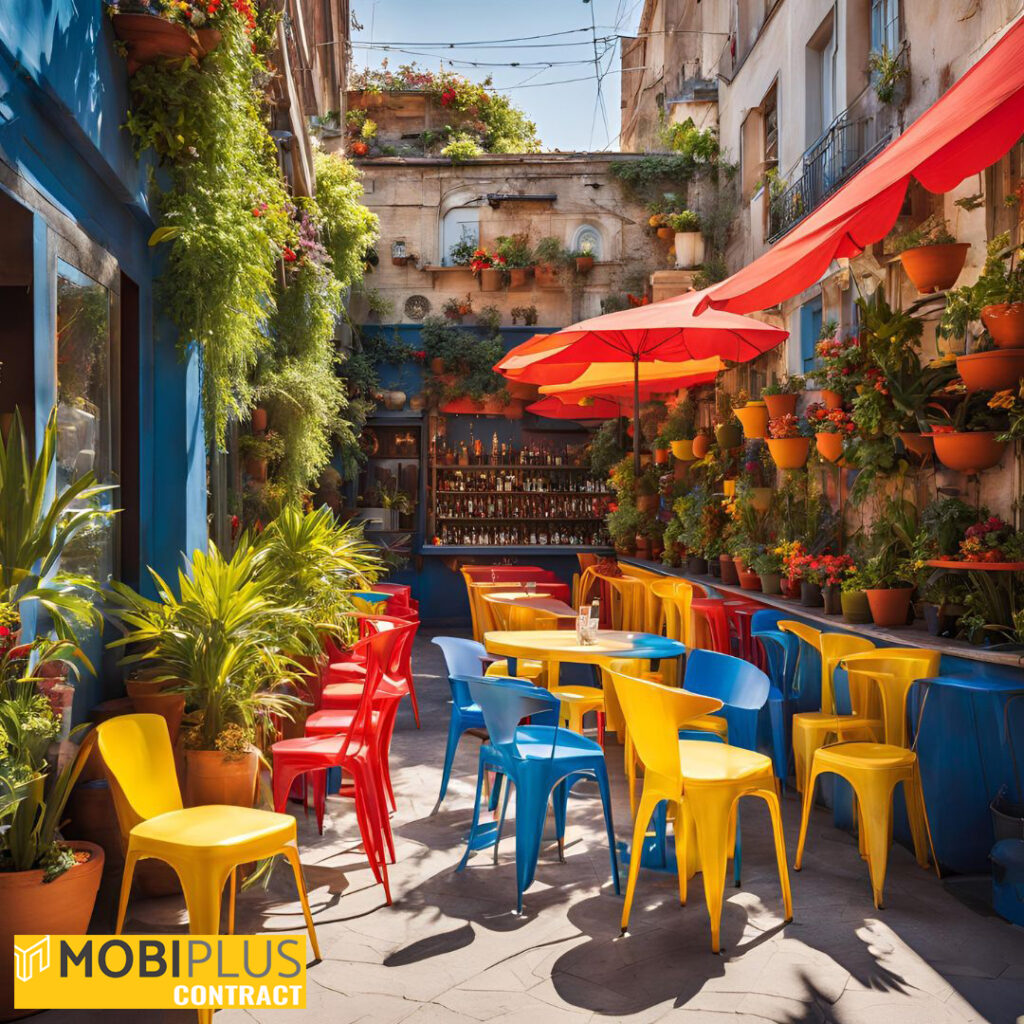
549, 254
753, 416
728, 433
887, 71
460, 254
647, 490
840, 366
931, 255
623, 522
853, 599
943, 602
489, 268
258, 451
835, 570
887, 586
678, 428
518, 258
780, 395
457, 308
967, 439
768, 566
224, 633
689, 242
788, 442
582, 258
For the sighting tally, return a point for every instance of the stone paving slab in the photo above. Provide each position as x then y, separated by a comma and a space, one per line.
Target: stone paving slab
451, 950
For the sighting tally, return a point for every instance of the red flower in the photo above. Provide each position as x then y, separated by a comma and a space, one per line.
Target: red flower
289, 255
4, 631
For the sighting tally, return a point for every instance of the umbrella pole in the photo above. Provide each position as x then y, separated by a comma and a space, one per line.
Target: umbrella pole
636, 415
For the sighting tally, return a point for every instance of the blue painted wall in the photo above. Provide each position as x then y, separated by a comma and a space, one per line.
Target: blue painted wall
63, 101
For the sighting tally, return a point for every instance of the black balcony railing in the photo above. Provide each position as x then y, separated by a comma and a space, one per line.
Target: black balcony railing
847, 144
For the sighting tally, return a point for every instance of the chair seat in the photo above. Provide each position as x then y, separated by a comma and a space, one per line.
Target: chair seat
859, 754
344, 671
834, 723
328, 723
717, 762
524, 669
215, 825
535, 741
588, 694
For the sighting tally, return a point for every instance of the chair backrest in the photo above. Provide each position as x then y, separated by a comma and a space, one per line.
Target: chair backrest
507, 573
654, 715
381, 652
809, 635
834, 647
710, 624
462, 658
780, 648
482, 613
586, 560
628, 601
733, 681
399, 666
505, 703
139, 764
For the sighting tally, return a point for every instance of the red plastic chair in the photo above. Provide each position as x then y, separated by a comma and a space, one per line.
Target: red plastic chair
355, 752
401, 604
711, 611
739, 614
343, 681
504, 573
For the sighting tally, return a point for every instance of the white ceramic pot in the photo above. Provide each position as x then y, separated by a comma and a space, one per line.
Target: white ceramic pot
689, 249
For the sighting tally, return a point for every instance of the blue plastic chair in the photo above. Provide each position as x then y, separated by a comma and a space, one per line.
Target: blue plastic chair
781, 651
543, 762
462, 658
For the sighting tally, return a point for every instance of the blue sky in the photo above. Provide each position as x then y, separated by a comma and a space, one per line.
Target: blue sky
566, 112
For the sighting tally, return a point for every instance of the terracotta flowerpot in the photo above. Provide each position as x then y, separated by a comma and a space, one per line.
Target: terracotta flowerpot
701, 446
754, 418
519, 277
213, 777
741, 564
969, 451
855, 607
1005, 322
832, 399
647, 502
437, 366
761, 498
546, 275
789, 452
148, 39
921, 445
257, 469
889, 607
490, 279
33, 907
170, 707
830, 446
780, 405
750, 580
666, 234
810, 595
682, 450
662, 456
584, 264
259, 420
770, 583
696, 566
832, 597
994, 370
729, 435
934, 268
728, 570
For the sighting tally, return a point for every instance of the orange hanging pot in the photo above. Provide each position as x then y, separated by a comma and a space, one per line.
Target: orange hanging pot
780, 405
701, 446
830, 446
832, 399
662, 456
754, 418
934, 268
995, 370
682, 450
917, 444
789, 452
968, 451
1005, 322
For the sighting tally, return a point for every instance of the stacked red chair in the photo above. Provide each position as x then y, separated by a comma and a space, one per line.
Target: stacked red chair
356, 751
400, 604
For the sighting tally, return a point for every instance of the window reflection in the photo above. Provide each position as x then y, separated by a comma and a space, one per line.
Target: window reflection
85, 411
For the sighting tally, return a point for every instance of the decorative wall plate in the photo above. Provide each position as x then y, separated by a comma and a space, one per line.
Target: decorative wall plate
417, 307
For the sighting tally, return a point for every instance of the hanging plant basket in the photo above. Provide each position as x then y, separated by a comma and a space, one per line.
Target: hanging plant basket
1005, 322
969, 451
754, 419
149, 39
682, 450
992, 371
934, 268
728, 435
921, 445
701, 446
780, 405
789, 452
830, 446
662, 456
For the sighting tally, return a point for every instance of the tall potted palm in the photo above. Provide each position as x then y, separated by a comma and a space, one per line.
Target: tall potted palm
225, 633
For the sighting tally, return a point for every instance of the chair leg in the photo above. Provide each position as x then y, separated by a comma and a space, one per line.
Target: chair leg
631, 773
415, 702
376, 818
454, 735
475, 824
367, 834
776, 716
680, 827
292, 853
560, 802
319, 797
501, 819
918, 819
712, 810
531, 812
805, 815
232, 889
775, 810
606, 803
877, 817
643, 816
130, 860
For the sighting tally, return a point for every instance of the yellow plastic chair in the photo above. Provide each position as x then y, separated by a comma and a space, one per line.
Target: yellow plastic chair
874, 769
628, 596
812, 729
703, 781
204, 845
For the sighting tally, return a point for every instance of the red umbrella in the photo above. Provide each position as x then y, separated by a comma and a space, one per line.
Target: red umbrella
554, 408
668, 330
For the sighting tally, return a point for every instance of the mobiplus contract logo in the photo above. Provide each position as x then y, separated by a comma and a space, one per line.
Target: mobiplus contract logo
143, 972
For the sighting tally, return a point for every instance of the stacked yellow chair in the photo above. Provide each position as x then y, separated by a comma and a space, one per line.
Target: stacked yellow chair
703, 782
482, 615
812, 729
874, 769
